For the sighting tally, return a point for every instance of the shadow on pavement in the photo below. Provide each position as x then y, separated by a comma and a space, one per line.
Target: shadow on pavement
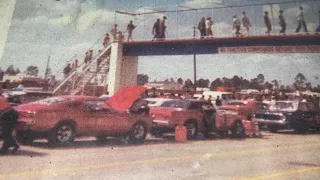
25, 153
303, 164
90, 142
292, 132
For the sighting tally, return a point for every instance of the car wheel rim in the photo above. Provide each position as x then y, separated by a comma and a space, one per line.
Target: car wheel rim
64, 134
239, 129
139, 131
191, 129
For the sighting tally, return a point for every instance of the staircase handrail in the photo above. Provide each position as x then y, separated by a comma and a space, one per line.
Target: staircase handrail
84, 70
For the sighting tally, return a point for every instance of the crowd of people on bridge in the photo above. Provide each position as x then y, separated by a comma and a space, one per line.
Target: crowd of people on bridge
206, 24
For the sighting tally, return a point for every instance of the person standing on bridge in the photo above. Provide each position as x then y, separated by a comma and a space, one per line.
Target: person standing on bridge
163, 27
267, 22
130, 28
246, 22
106, 40
209, 24
236, 25
156, 32
282, 23
301, 21
114, 31
318, 29
202, 27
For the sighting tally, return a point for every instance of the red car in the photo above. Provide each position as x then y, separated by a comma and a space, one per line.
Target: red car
245, 108
197, 116
61, 119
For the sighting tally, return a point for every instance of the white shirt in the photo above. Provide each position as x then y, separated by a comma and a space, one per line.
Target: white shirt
300, 16
236, 22
209, 23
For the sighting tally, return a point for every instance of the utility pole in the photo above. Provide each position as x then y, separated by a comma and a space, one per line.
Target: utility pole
47, 68
194, 63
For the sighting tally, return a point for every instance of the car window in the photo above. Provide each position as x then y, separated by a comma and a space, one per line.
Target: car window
236, 103
93, 104
173, 104
261, 106
195, 106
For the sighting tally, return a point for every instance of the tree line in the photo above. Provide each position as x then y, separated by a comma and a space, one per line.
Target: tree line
238, 83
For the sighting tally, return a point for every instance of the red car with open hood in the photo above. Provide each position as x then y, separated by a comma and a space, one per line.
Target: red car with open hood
60, 119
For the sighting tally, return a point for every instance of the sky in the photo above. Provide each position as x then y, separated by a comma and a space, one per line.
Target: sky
62, 29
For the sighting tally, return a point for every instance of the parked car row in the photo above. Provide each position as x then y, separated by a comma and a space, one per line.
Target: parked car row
300, 116
63, 118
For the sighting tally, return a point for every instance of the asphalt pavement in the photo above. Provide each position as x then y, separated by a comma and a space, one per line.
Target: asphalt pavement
283, 155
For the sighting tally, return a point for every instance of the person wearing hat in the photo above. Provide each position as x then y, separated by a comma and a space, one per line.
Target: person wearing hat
267, 22
282, 23
163, 27
8, 120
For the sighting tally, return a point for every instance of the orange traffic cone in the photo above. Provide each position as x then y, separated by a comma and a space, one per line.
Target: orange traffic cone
181, 134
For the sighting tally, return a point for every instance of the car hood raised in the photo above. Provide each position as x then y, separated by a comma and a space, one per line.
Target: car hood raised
125, 97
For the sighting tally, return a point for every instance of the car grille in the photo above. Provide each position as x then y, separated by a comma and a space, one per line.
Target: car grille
269, 116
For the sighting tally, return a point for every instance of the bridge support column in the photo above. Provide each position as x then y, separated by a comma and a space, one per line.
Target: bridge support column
122, 69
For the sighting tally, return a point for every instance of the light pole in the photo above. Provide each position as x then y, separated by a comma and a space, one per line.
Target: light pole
194, 63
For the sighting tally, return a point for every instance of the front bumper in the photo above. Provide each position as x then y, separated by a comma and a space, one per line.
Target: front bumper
281, 122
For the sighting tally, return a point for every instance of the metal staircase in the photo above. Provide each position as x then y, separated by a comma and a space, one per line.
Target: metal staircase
95, 72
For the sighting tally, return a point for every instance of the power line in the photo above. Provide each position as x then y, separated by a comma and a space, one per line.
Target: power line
223, 7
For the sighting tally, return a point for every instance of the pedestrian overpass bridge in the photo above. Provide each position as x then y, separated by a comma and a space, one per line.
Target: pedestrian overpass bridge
248, 44
119, 60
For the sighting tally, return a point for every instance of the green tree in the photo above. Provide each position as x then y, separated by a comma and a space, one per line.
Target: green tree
32, 71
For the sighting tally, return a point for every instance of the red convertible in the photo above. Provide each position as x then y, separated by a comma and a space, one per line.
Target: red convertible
61, 119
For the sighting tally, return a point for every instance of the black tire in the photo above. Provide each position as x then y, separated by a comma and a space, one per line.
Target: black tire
237, 130
273, 129
192, 129
101, 138
63, 133
301, 128
156, 132
138, 133
25, 138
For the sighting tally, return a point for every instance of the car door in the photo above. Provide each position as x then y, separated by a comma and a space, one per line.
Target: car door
91, 124
123, 121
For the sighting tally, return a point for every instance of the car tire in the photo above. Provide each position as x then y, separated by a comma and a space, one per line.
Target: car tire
101, 138
138, 133
63, 133
192, 129
301, 128
237, 130
273, 129
25, 138
156, 132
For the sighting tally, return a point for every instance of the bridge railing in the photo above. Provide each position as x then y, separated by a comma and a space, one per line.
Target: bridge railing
181, 21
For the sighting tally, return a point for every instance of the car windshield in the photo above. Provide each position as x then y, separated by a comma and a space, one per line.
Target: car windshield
235, 103
284, 106
51, 100
173, 104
